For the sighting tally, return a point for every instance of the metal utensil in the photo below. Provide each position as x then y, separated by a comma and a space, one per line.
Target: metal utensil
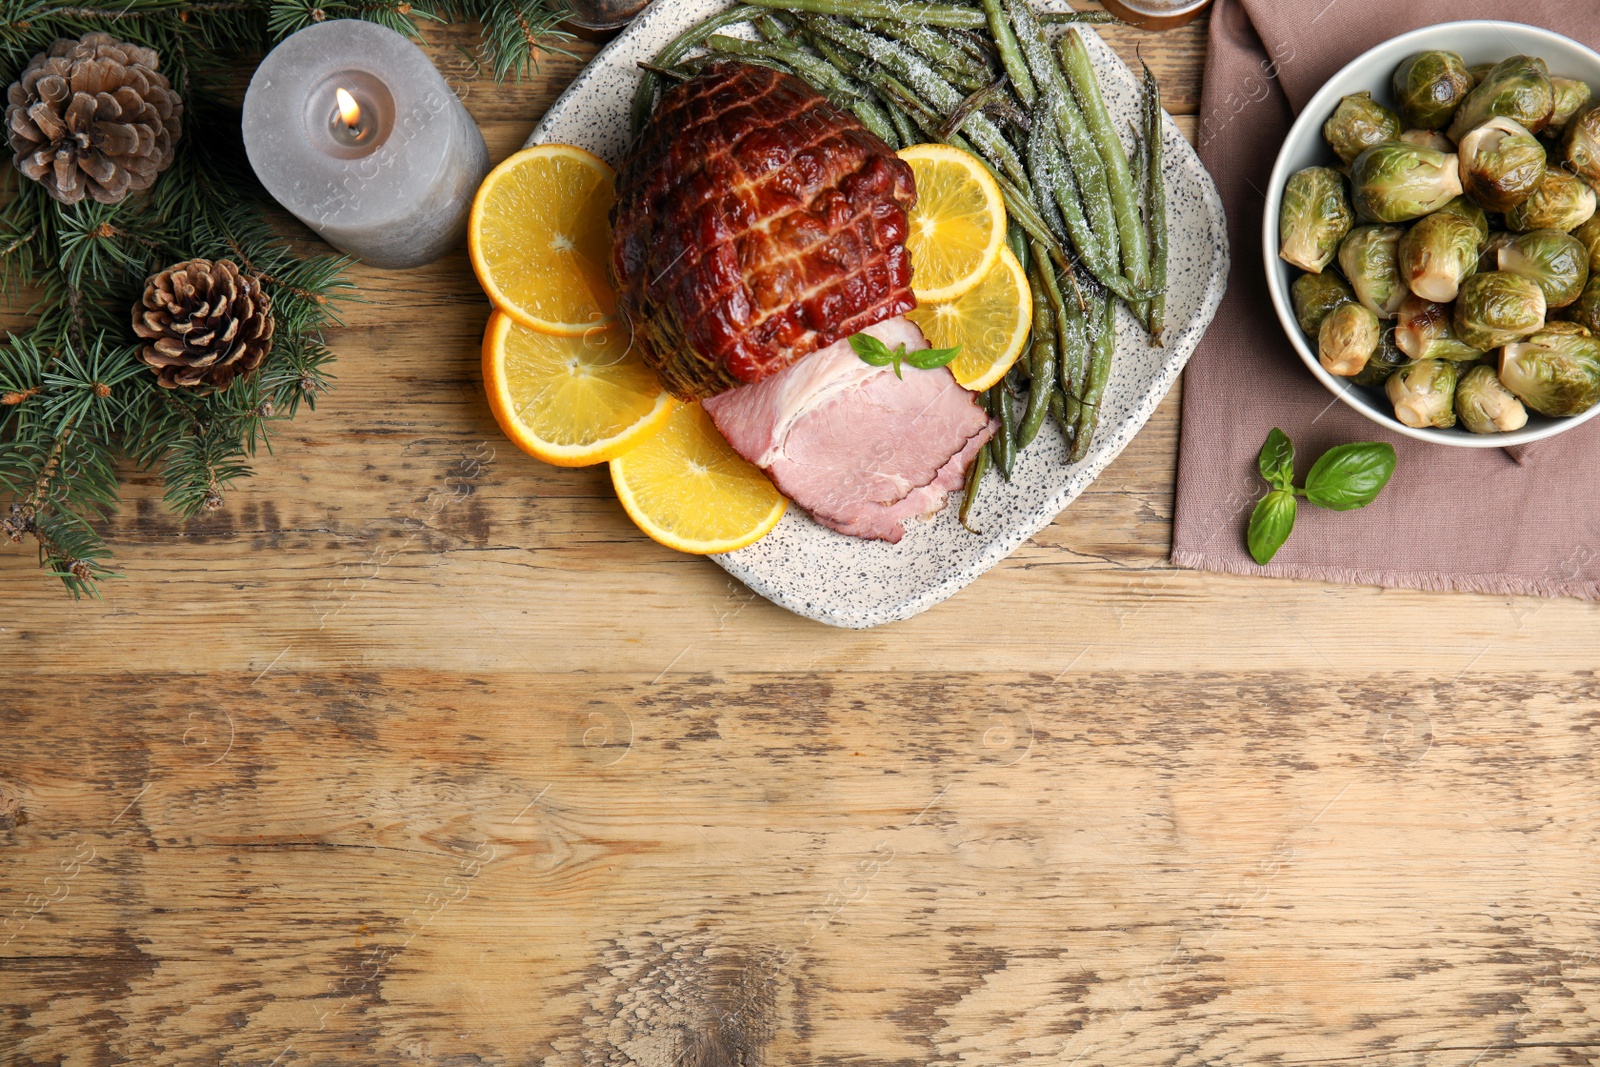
1157, 14
603, 14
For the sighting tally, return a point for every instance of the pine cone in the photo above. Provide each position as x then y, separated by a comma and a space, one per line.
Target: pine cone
206, 322
93, 117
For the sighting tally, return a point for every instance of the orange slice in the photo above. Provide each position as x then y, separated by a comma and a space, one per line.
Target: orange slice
958, 225
688, 489
540, 237
991, 324
571, 401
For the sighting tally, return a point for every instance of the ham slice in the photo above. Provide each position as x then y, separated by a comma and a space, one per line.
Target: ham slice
857, 447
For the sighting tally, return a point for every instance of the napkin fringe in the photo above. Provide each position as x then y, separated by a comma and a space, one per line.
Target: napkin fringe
1432, 581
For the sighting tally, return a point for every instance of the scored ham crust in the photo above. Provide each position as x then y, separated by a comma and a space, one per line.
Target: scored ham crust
755, 223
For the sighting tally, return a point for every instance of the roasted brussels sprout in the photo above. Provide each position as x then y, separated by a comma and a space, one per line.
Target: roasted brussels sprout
1429, 86
1436, 253
1464, 207
1426, 330
1397, 181
1423, 393
1496, 308
1589, 235
1555, 374
1347, 337
1489, 254
1315, 217
1480, 71
1429, 139
1554, 261
1585, 311
1563, 326
1358, 123
1517, 88
1485, 405
1572, 96
1581, 145
1501, 164
1383, 362
1317, 294
1369, 257
1558, 202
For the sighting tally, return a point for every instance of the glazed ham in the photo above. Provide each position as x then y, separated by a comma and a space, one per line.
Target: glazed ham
857, 447
755, 223
757, 227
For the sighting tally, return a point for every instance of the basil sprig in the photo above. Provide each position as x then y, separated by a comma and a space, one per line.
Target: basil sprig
1343, 478
877, 354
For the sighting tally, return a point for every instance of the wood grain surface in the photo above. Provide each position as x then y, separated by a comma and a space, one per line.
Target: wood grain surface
417, 752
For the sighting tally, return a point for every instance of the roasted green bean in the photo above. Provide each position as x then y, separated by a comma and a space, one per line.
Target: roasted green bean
907, 129
975, 473
1072, 344
1005, 438
949, 61
1058, 411
849, 64
1041, 361
677, 74
1019, 205
929, 14
1137, 158
970, 106
1077, 353
974, 44
1004, 108
939, 94
1119, 179
1079, 143
1011, 57
1052, 171
1156, 200
1057, 191
819, 72
1063, 314
645, 96
777, 27
1105, 344
1092, 18
1017, 241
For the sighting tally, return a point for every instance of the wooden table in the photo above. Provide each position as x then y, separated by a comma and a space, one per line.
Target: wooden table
416, 752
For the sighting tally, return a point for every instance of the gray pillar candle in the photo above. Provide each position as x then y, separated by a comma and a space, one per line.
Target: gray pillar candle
352, 128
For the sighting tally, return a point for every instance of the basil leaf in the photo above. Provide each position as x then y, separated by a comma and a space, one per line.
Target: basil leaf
1276, 461
930, 358
1350, 476
1270, 525
872, 351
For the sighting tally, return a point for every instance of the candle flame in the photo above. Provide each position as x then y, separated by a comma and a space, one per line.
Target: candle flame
349, 110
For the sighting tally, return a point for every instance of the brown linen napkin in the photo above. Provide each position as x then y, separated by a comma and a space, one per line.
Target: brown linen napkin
1452, 518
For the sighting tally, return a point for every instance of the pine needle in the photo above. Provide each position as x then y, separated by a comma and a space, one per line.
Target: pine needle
74, 399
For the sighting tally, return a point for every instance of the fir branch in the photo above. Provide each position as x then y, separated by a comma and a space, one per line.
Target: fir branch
515, 32
71, 550
75, 399
200, 465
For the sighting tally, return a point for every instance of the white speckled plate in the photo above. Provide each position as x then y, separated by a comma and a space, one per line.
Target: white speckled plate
844, 581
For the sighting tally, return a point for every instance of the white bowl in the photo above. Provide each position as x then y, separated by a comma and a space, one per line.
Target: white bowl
1477, 41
